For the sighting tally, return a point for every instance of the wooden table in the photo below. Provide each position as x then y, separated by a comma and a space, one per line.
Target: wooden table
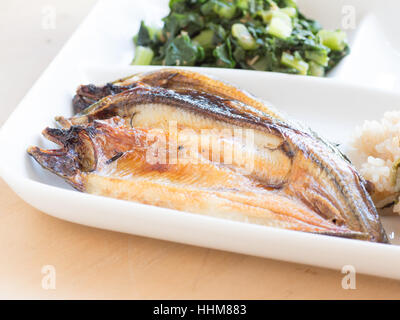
92, 263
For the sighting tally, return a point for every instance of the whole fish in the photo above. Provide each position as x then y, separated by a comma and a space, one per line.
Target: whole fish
289, 177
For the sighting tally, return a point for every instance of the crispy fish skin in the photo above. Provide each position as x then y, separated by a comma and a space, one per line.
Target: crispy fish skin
169, 78
109, 159
209, 105
87, 95
319, 177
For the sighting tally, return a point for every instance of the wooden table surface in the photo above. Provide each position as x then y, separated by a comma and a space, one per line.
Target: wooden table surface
93, 263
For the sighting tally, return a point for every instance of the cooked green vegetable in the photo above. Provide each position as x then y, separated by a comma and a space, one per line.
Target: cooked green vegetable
280, 25
335, 40
143, 56
181, 51
205, 39
318, 56
315, 69
295, 62
263, 35
243, 37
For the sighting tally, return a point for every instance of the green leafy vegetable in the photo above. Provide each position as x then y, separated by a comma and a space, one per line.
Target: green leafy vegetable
223, 54
263, 35
183, 52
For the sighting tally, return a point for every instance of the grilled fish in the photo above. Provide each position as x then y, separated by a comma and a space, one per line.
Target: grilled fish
283, 176
168, 78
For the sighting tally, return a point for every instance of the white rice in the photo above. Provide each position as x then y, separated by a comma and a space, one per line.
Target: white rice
374, 149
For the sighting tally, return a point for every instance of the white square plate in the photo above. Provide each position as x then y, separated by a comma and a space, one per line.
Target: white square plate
99, 52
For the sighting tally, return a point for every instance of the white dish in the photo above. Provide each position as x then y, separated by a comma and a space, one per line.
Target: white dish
329, 106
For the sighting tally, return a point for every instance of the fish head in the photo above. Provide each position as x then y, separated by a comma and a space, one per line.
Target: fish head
76, 156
